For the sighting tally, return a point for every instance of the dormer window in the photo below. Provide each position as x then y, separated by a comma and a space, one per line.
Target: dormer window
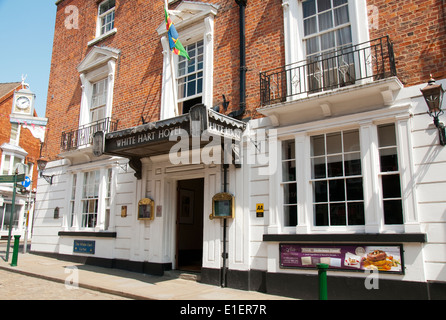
106, 16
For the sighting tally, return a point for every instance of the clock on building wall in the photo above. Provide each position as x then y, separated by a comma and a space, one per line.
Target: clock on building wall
23, 102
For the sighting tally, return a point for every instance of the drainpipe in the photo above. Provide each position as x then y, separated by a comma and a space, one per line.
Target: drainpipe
243, 69
224, 254
235, 114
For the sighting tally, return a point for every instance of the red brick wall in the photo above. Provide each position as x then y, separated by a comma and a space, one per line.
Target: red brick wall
137, 90
417, 29
5, 112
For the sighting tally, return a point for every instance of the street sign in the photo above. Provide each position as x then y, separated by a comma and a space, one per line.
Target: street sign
26, 182
10, 179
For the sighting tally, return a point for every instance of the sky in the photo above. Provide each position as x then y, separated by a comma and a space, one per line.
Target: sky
26, 42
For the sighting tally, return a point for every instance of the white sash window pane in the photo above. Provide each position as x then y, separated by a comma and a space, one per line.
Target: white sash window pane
107, 16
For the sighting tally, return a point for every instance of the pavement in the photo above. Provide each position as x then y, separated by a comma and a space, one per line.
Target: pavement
172, 286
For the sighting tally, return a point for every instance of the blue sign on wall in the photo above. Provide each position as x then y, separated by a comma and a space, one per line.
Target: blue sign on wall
84, 246
26, 182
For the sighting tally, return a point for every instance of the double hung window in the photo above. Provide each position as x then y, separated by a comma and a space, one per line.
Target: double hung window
106, 16
9, 162
338, 198
99, 100
190, 77
390, 176
90, 200
289, 183
341, 192
327, 38
72, 200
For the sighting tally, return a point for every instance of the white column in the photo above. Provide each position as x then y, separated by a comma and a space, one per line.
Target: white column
370, 169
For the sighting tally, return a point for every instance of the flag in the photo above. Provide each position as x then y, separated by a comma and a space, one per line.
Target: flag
174, 43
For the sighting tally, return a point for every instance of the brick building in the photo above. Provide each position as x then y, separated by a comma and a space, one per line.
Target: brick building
21, 135
322, 149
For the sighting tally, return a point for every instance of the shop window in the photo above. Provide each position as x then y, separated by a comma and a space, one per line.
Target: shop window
390, 176
338, 198
5, 216
289, 183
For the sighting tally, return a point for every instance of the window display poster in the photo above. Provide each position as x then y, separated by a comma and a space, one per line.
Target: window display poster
387, 258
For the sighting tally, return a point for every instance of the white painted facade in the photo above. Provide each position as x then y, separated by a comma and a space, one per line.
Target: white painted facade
364, 107
421, 159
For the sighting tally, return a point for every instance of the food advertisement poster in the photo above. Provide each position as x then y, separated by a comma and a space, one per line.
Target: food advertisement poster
387, 258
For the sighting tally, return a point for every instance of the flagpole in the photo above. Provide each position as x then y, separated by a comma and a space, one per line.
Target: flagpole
172, 70
175, 98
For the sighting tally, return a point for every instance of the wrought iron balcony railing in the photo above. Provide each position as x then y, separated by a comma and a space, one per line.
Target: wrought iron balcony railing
83, 136
368, 61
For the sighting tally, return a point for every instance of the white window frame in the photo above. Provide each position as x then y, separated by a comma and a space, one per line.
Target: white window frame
105, 15
98, 35
105, 200
196, 26
294, 33
367, 125
197, 74
99, 98
397, 172
98, 65
15, 141
343, 155
285, 182
12, 162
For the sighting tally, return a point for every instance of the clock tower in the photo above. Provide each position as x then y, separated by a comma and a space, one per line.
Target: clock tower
23, 103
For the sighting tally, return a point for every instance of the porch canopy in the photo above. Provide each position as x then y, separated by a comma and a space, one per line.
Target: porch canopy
157, 138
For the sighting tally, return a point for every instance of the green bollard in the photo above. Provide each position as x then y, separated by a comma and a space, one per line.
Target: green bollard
322, 273
15, 253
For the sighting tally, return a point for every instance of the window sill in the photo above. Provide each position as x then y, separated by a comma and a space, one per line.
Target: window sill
102, 37
101, 234
363, 237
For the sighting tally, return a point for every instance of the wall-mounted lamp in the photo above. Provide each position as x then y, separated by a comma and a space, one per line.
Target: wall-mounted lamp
433, 94
41, 163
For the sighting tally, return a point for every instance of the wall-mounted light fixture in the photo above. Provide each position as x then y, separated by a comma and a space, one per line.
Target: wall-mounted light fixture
41, 163
433, 95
